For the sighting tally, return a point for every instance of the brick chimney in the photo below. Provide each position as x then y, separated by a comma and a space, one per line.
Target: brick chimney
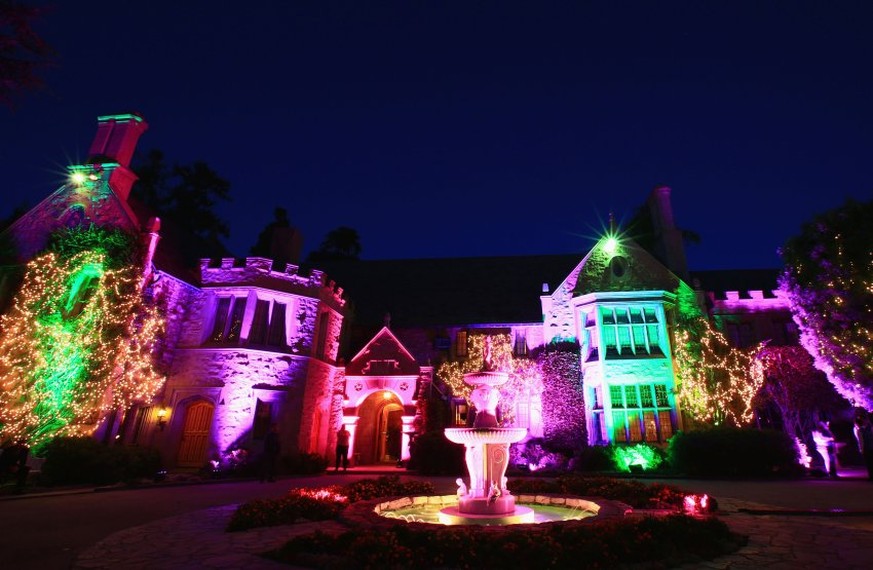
113, 148
669, 245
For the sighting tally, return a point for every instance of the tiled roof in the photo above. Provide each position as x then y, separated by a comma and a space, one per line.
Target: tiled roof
453, 291
742, 280
480, 290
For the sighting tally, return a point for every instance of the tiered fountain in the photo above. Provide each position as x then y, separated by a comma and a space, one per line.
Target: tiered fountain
486, 500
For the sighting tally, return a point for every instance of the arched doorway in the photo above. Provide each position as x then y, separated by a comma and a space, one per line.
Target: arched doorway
195, 435
391, 433
379, 432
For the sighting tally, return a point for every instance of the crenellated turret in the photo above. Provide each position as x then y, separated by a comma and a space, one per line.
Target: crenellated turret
259, 272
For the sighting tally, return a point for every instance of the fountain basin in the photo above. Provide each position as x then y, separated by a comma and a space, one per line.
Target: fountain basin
472, 436
546, 509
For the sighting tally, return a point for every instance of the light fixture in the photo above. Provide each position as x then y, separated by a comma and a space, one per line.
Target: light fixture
77, 177
162, 418
386, 395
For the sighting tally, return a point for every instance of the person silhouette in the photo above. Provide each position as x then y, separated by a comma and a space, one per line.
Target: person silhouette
343, 437
863, 431
271, 454
826, 447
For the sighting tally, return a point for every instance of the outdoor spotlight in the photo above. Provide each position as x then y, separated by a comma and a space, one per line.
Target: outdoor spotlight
77, 177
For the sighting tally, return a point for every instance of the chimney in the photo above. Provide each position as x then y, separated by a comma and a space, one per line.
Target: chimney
669, 245
286, 245
113, 148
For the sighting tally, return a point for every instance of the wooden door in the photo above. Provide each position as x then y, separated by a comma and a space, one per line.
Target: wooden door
195, 435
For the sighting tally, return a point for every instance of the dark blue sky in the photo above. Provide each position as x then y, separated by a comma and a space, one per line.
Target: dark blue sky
465, 128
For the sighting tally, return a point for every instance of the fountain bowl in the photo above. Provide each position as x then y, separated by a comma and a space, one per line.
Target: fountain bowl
486, 378
471, 436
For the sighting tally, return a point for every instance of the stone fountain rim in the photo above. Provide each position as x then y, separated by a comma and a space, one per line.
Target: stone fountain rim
486, 378
499, 434
366, 513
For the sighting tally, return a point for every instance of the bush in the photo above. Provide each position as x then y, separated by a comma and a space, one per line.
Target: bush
594, 458
83, 460
637, 457
321, 504
431, 453
299, 504
658, 542
385, 486
734, 453
536, 454
304, 464
637, 494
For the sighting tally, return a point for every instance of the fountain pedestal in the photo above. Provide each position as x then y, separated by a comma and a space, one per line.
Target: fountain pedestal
487, 458
486, 500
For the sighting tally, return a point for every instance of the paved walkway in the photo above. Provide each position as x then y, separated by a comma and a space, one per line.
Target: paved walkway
776, 541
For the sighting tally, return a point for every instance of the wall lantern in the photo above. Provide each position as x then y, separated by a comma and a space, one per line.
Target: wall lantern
162, 418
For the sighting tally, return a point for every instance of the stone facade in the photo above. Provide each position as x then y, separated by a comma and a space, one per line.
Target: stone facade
247, 344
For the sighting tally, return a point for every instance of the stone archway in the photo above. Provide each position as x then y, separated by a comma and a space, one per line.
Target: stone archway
379, 431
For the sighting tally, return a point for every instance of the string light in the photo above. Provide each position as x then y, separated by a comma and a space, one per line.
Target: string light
77, 343
717, 382
523, 373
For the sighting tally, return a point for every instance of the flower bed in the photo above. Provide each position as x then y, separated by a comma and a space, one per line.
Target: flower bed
610, 541
320, 504
647, 542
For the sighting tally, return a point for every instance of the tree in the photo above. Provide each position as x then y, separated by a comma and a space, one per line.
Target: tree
22, 52
79, 338
339, 244
799, 392
828, 281
185, 196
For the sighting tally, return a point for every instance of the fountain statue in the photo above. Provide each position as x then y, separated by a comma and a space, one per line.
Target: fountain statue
486, 500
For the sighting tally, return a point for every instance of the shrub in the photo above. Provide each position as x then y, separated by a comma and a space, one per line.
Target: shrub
431, 453
642, 455
537, 454
637, 494
321, 504
304, 464
386, 486
734, 453
299, 504
657, 542
594, 458
83, 460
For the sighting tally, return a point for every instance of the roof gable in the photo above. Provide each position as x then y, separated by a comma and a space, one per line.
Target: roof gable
92, 202
384, 355
624, 267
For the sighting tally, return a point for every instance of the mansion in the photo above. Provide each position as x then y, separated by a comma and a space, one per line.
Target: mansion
247, 343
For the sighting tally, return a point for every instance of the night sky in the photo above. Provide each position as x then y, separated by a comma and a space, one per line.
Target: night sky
465, 128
